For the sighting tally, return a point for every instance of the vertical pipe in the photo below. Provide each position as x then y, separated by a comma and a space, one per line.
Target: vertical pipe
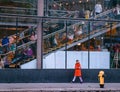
40, 11
39, 45
40, 8
46, 8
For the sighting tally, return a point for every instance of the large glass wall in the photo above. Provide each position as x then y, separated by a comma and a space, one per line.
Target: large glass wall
56, 42
94, 42
18, 38
86, 41
70, 6
23, 7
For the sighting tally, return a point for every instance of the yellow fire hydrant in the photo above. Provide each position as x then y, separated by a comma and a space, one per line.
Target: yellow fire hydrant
101, 79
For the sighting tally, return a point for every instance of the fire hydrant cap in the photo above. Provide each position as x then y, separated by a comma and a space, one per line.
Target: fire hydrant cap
101, 72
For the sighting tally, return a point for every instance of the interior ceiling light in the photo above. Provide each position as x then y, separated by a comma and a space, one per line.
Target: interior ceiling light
80, 1
60, 4
66, 3
54, 5
73, 2
79, 44
101, 37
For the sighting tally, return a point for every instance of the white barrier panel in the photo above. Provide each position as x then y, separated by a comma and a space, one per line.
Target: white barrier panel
98, 60
57, 60
30, 65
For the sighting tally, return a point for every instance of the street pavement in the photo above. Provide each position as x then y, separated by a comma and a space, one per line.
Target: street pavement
58, 87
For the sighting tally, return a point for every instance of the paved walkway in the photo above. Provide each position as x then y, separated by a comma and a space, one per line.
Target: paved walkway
58, 87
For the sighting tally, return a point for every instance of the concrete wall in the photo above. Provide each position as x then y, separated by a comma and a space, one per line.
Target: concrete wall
55, 75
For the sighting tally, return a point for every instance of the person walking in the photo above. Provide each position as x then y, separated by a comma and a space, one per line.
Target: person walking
78, 72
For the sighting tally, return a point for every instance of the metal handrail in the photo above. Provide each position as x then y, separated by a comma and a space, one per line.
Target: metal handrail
31, 2
91, 36
104, 13
69, 26
18, 10
84, 38
80, 23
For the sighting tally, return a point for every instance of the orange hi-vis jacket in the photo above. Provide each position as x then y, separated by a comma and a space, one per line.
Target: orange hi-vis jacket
77, 69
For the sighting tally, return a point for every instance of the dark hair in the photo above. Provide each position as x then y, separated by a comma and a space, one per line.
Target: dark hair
77, 60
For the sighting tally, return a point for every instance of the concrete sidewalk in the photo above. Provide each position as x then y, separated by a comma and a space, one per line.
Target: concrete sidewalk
58, 87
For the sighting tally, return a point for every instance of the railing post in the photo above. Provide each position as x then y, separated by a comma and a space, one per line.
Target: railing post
110, 41
46, 7
16, 33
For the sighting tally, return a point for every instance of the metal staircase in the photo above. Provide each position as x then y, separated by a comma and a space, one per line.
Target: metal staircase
96, 28
100, 28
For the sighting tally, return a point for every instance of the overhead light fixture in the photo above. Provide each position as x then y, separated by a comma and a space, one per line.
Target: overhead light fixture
60, 4
101, 37
79, 44
80, 1
73, 2
54, 5
66, 3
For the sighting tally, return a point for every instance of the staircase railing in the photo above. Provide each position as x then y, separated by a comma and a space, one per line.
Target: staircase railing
31, 2
95, 25
99, 27
83, 37
18, 10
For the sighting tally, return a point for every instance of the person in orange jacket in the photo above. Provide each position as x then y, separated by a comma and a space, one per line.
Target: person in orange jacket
78, 72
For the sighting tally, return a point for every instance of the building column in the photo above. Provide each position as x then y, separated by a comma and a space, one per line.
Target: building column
40, 12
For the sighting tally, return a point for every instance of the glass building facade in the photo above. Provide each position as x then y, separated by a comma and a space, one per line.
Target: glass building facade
68, 30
